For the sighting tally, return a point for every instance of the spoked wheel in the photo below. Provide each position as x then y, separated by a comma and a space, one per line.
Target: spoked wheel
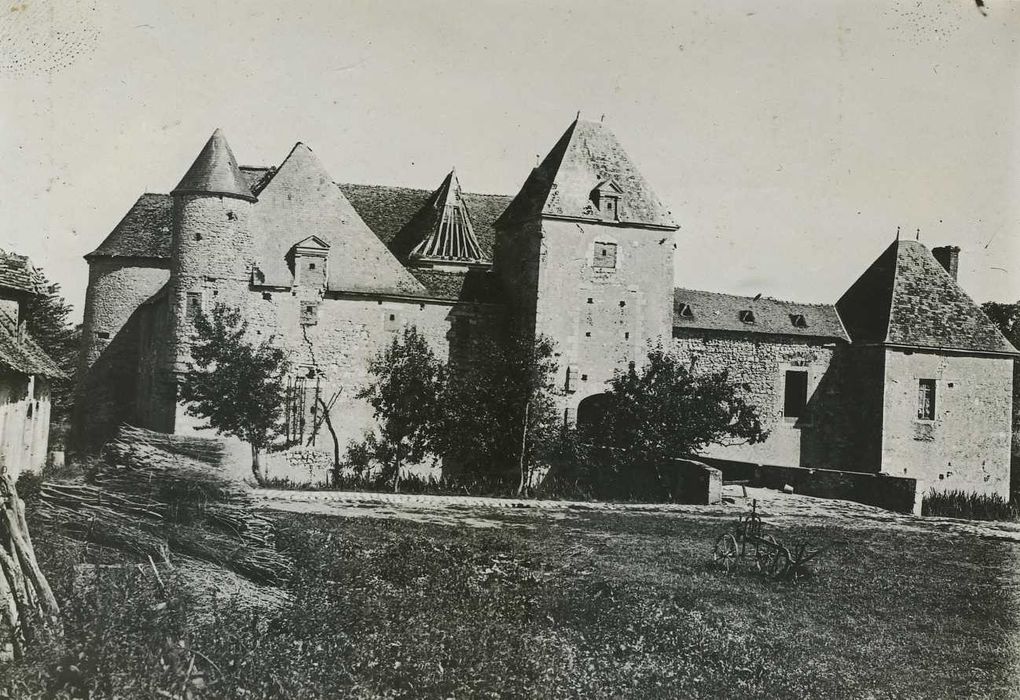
765, 553
726, 552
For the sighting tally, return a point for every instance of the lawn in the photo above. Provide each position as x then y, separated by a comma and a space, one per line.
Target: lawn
599, 605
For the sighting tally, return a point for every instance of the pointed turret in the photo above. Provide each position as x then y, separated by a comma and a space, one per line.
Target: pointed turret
215, 172
449, 235
569, 181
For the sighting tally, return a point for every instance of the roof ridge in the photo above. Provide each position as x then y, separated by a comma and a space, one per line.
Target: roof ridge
426, 190
892, 286
750, 298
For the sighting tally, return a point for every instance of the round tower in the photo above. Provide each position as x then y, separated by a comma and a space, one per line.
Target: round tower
212, 255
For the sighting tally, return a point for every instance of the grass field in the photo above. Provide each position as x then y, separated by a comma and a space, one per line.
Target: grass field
601, 605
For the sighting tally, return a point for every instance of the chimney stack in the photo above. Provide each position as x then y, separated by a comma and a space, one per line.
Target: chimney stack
949, 257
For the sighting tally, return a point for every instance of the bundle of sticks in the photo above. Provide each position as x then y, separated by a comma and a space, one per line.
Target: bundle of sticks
153, 495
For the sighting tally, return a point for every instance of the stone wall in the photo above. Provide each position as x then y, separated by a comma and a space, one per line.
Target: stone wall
602, 318
109, 353
967, 445
822, 437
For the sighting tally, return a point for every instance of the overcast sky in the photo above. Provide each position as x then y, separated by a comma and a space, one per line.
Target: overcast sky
789, 138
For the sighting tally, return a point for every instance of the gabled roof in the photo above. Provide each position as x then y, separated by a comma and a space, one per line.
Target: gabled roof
397, 215
302, 200
215, 172
16, 274
449, 234
586, 156
907, 298
723, 312
24, 356
312, 242
144, 232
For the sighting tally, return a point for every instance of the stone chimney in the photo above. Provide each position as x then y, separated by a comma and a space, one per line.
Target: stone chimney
949, 257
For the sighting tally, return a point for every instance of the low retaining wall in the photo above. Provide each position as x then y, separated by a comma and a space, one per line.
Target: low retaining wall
694, 482
894, 493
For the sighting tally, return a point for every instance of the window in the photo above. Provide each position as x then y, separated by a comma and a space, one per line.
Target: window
747, 316
798, 320
391, 321
795, 393
309, 313
684, 310
925, 399
311, 266
605, 256
609, 209
103, 335
193, 306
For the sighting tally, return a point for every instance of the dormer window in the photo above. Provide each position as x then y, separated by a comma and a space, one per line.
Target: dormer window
684, 310
747, 316
606, 198
798, 321
308, 259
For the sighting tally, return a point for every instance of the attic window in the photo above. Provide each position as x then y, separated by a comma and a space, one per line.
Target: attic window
747, 316
798, 320
309, 313
684, 310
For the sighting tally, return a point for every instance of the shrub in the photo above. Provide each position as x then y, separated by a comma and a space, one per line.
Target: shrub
970, 506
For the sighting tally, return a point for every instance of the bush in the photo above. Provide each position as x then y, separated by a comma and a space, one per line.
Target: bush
969, 506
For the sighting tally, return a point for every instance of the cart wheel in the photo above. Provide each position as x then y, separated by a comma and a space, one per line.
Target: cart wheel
725, 552
766, 552
780, 565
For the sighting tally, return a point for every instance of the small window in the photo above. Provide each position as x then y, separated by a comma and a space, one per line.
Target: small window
391, 321
571, 383
605, 256
590, 300
925, 399
587, 334
309, 313
193, 308
798, 320
311, 266
584, 377
684, 310
747, 316
626, 336
103, 335
795, 393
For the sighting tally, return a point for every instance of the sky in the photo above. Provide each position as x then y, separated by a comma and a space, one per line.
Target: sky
790, 138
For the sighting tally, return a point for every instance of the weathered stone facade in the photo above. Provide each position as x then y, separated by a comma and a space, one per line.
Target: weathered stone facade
583, 254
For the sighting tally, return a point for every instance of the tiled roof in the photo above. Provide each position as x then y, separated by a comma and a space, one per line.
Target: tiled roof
450, 235
397, 215
215, 171
907, 298
16, 273
472, 286
726, 312
257, 176
301, 200
144, 232
24, 356
586, 156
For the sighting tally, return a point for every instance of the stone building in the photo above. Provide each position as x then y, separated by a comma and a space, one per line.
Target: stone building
904, 375
25, 373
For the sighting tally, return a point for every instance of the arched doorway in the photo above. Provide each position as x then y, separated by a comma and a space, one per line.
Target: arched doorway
591, 411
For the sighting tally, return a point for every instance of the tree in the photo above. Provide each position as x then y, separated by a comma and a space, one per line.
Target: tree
1006, 317
235, 385
47, 317
664, 410
406, 399
499, 409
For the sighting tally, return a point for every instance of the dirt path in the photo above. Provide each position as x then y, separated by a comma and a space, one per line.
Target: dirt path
474, 511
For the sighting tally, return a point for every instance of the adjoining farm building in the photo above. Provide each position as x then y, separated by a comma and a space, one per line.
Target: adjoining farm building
904, 375
25, 373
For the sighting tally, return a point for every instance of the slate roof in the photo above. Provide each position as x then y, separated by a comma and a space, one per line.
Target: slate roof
144, 232
215, 171
398, 215
907, 298
472, 286
586, 156
24, 356
17, 274
257, 176
722, 312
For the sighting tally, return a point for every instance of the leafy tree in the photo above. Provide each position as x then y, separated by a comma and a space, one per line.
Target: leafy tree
664, 410
235, 385
1007, 318
500, 414
48, 321
405, 397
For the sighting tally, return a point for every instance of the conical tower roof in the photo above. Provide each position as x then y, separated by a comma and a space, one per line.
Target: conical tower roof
906, 298
215, 172
449, 235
